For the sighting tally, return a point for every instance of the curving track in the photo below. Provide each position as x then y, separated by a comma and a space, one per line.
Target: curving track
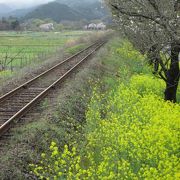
19, 101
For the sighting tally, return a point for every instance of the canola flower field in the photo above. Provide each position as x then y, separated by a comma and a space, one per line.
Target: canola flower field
131, 132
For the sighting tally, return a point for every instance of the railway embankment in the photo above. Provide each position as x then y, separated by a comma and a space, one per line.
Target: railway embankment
103, 111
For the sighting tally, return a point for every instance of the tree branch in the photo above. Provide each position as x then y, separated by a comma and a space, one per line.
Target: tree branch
157, 19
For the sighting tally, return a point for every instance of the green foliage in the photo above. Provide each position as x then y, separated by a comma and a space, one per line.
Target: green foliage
127, 51
56, 11
64, 162
146, 84
70, 10
74, 49
5, 73
137, 138
131, 133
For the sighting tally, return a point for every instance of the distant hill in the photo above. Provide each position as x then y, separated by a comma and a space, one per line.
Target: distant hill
89, 9
20, 12
4, 9
72, 10
61, 10
55, 11
76, 3
92, 10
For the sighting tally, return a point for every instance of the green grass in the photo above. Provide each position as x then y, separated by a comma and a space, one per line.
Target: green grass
5, 73
27, 47
76, 48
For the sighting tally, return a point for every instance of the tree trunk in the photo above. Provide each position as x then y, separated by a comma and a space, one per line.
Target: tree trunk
152, 54
173, 74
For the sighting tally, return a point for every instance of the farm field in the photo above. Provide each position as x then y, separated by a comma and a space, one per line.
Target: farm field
18, 50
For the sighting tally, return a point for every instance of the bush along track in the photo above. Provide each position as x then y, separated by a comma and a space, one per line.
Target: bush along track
130, 131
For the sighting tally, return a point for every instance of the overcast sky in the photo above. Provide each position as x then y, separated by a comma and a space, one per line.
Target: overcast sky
23, 3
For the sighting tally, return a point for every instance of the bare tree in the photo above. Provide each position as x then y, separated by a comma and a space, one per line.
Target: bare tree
153, 26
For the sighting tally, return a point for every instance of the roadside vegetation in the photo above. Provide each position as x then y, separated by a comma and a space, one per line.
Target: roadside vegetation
116, 118
109, 122
57, 119
76, 48
130, 131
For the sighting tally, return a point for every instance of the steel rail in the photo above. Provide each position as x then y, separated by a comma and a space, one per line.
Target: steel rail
38, 98
11, 93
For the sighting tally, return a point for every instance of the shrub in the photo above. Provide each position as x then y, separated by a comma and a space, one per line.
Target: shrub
131, 132
76, 48
127, 51
136, 139
146, 84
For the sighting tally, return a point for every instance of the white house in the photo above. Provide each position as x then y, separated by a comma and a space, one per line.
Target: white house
101, 26
93, 26
47, 27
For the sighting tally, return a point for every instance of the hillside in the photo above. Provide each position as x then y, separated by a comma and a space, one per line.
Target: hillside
92, 10
72, 10
69, 10
20, 12
55, 11
4, 9
89, 9
76, 3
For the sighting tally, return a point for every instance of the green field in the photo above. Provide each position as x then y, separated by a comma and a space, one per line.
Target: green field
18, 50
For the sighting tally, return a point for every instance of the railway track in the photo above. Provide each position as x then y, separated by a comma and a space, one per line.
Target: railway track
16, 103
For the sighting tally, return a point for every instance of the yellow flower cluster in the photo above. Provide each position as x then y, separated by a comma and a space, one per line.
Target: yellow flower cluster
131, 133
127, 51
137, 139
56, 165
146, 84
65, 165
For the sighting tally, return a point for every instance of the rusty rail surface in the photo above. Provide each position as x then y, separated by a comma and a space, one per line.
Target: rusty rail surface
19, 101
